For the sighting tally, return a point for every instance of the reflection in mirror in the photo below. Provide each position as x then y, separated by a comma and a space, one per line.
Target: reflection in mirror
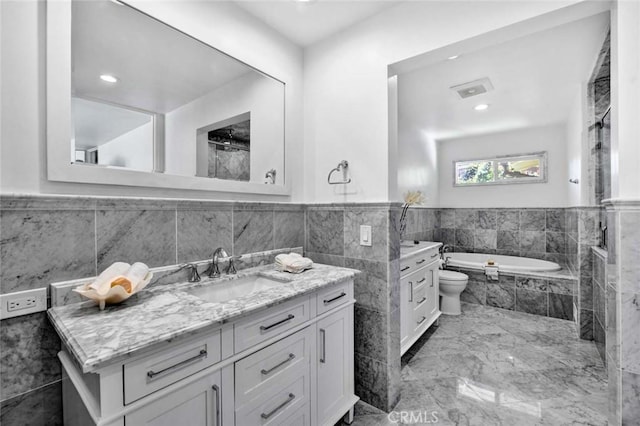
148, 97
111, 135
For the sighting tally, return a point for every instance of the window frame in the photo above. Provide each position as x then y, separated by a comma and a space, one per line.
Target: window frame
542, 156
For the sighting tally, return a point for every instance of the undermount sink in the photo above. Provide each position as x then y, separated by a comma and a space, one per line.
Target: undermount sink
233, 289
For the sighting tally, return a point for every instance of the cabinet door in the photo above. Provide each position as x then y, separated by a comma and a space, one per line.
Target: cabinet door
196, 404
433, 291
335, 362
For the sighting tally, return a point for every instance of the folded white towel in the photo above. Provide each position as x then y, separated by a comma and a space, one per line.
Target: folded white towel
293, 262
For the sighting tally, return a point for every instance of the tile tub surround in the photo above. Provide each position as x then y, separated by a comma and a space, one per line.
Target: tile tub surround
45, 239
536, 233
465, 370
332, 237
544, 294
623, 311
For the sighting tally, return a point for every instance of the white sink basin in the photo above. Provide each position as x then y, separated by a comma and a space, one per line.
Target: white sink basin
233, 289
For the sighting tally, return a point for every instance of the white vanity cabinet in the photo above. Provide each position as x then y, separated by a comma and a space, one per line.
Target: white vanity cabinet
419, 295
334, 364
199, 402
290, 364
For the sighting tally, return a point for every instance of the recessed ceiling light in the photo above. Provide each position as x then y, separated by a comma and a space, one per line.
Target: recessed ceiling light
451, 58
108, 78
481, 107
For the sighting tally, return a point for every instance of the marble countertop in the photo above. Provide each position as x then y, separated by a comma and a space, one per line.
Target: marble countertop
155, 316
408, 248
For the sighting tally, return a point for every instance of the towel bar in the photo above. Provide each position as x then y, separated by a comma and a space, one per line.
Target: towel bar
342, 166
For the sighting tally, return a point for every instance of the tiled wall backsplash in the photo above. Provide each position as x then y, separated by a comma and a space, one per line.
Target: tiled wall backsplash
46, 239
333, 238
537, 233
50, 239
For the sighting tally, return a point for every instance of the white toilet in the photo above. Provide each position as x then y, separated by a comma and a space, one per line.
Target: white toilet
451, 285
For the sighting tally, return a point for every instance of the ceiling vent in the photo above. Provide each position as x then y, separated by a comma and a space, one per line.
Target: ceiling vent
473, 88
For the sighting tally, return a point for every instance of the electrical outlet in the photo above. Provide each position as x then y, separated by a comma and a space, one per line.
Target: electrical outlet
23, 302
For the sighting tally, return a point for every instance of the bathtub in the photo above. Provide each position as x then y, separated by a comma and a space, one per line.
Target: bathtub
505, 263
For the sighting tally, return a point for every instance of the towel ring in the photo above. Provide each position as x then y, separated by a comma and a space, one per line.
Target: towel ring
342, 166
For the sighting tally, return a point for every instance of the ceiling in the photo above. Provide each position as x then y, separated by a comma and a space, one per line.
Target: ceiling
97, 123
307, 22
536, 81
159, 68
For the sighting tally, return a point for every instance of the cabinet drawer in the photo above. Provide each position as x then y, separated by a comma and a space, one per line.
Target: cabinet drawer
420, 315
144, 376
419, 296
276, 405
418, 261
259, 371
260, 327
333, 296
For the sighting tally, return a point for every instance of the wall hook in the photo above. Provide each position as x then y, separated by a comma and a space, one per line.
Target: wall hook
342, 166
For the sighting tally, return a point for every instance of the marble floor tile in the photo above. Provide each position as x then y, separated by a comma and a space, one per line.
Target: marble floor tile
526, 370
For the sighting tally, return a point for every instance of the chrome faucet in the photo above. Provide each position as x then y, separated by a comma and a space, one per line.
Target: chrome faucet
219, 254
192, 268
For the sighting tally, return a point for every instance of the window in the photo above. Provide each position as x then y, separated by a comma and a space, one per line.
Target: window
528, 168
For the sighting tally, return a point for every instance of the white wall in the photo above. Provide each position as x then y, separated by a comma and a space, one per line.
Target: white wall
417, 155
253, 93
625, 92
553, 193
133, 150
23, 141
345, 85
581, 194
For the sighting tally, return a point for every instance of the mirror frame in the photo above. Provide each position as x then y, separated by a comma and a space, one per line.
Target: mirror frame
58, 114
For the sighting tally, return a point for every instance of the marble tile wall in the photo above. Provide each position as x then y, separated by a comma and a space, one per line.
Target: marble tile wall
599, 300
623, 312
332, 237
57, 238
583, 225
536, 233
544, 296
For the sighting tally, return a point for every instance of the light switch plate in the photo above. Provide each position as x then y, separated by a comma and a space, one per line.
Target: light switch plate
365, 235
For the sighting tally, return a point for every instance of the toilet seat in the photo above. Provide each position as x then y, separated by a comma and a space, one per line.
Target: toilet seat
452, 276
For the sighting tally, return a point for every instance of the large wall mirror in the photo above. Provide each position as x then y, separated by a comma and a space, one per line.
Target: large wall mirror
134, 101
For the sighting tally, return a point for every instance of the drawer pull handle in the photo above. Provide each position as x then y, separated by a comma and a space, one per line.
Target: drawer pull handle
421, 320
405, 268
435, 255
411, 291
421, 300
278, 408
217, 399
323, 354
420, 262
275, 324
422, 280
154, 374
290, 358
326, 302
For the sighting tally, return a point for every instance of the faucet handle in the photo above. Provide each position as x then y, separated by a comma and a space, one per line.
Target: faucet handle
231, 268
194, 276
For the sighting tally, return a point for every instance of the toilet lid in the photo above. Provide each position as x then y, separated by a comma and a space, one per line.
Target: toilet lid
452, 275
